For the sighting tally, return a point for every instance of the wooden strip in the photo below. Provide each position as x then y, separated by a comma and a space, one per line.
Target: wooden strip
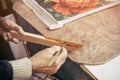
45, 40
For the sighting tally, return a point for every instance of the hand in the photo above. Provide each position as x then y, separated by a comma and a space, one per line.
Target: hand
7, 26
41, 60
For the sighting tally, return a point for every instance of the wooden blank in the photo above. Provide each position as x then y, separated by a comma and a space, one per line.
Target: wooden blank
45, 40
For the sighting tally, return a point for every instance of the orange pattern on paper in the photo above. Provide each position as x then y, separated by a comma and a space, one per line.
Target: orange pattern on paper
68, 7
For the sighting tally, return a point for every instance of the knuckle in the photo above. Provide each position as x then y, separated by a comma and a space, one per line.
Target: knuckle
48, 50
19, 28
54, 70
56, 66
56, 47
3, 19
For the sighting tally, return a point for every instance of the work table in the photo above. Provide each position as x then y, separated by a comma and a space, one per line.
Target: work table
98, 32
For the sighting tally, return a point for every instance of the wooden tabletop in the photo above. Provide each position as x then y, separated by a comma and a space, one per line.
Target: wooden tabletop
98, 32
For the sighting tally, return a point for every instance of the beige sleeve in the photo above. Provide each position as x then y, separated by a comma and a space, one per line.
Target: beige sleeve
22, 68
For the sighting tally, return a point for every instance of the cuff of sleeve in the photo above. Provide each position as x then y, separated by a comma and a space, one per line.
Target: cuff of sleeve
21, 68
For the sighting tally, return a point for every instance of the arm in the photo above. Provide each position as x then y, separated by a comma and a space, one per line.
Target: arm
39, 62
15, 69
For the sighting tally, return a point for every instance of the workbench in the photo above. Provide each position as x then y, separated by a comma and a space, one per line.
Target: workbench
98, 32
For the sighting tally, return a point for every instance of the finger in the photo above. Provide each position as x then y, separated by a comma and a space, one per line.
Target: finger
50, 70
9, 36
59, 57
5, 36
18, 29
53, 50
63, 53
24, 42
10, 25
15, 40
42, 69
62, 57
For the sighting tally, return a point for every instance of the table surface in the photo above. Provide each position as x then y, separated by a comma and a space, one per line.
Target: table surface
98, 32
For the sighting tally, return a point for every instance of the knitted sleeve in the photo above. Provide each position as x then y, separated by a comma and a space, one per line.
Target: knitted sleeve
22, 68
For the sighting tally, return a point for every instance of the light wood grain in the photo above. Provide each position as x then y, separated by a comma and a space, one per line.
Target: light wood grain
38, 39
99, 33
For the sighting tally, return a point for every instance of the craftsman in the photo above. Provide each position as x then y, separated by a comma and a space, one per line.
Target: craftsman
23, 68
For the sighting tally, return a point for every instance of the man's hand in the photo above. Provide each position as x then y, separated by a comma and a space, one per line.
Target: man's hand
41, 60
8, 25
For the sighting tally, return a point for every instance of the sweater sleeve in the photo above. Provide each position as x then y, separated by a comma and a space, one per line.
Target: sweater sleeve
22, 68
6, 71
